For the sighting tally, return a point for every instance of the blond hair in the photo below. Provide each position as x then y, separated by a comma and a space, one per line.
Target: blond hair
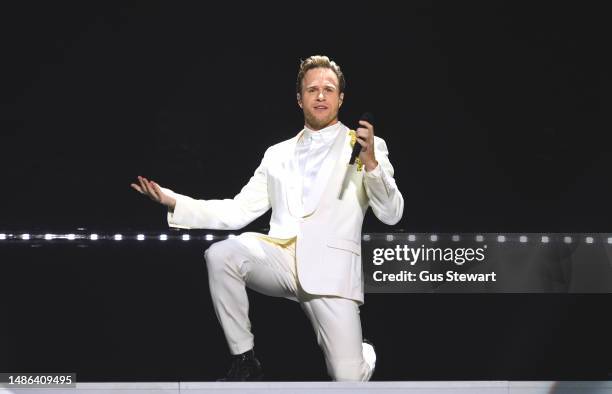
317, 61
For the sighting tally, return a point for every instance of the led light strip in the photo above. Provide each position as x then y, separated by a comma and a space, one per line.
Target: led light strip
27, 236
497, 238
163, 237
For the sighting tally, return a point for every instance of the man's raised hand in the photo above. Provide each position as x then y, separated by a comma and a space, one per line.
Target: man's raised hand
153, 191
365, 137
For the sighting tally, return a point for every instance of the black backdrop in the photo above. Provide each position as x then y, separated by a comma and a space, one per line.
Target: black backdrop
495, 113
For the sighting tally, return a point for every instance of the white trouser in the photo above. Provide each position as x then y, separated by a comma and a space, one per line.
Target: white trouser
270, 268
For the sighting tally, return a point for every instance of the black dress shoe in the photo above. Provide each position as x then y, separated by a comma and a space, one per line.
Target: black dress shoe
245, 367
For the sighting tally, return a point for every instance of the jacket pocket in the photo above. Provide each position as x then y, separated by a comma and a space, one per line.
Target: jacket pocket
345, 244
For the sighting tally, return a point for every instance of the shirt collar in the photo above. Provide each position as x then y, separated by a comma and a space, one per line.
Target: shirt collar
326, 133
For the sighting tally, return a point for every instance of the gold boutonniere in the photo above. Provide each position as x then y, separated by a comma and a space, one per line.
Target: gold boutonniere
353, 135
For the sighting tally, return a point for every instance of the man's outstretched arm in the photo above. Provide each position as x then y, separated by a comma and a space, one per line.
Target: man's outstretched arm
228, 214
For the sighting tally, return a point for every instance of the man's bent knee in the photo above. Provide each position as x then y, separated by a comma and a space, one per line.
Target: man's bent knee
218, 255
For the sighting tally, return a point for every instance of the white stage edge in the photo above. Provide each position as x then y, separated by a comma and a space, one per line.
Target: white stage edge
444, 387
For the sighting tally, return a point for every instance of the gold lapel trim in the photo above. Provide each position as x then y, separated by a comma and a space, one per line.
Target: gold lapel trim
353, 135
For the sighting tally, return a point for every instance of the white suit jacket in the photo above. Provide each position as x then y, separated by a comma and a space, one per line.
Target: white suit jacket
327, 225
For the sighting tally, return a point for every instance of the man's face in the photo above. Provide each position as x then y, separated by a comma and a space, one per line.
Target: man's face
320, 98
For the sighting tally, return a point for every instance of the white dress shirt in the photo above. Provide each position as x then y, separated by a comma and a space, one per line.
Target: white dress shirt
310, 151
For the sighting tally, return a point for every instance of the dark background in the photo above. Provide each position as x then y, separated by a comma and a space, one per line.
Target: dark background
496, 115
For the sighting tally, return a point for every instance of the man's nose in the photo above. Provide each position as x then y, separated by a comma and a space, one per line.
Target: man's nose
321, 96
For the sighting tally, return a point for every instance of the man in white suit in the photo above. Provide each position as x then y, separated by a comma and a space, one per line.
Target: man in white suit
312, 251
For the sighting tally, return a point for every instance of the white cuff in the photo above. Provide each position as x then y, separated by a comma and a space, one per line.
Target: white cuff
375, 173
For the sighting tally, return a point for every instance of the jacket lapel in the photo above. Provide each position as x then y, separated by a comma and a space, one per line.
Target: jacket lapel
293, 191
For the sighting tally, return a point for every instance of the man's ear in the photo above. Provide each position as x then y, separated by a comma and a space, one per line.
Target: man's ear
341, 99
299, 100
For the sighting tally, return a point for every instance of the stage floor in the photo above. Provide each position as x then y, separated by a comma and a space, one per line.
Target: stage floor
446, 387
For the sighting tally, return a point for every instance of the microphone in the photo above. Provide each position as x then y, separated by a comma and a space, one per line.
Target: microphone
368, 117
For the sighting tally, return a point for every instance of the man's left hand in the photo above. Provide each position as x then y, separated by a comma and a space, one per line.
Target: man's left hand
365, 137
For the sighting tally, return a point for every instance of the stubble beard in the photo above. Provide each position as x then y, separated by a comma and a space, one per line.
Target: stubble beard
318, 124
